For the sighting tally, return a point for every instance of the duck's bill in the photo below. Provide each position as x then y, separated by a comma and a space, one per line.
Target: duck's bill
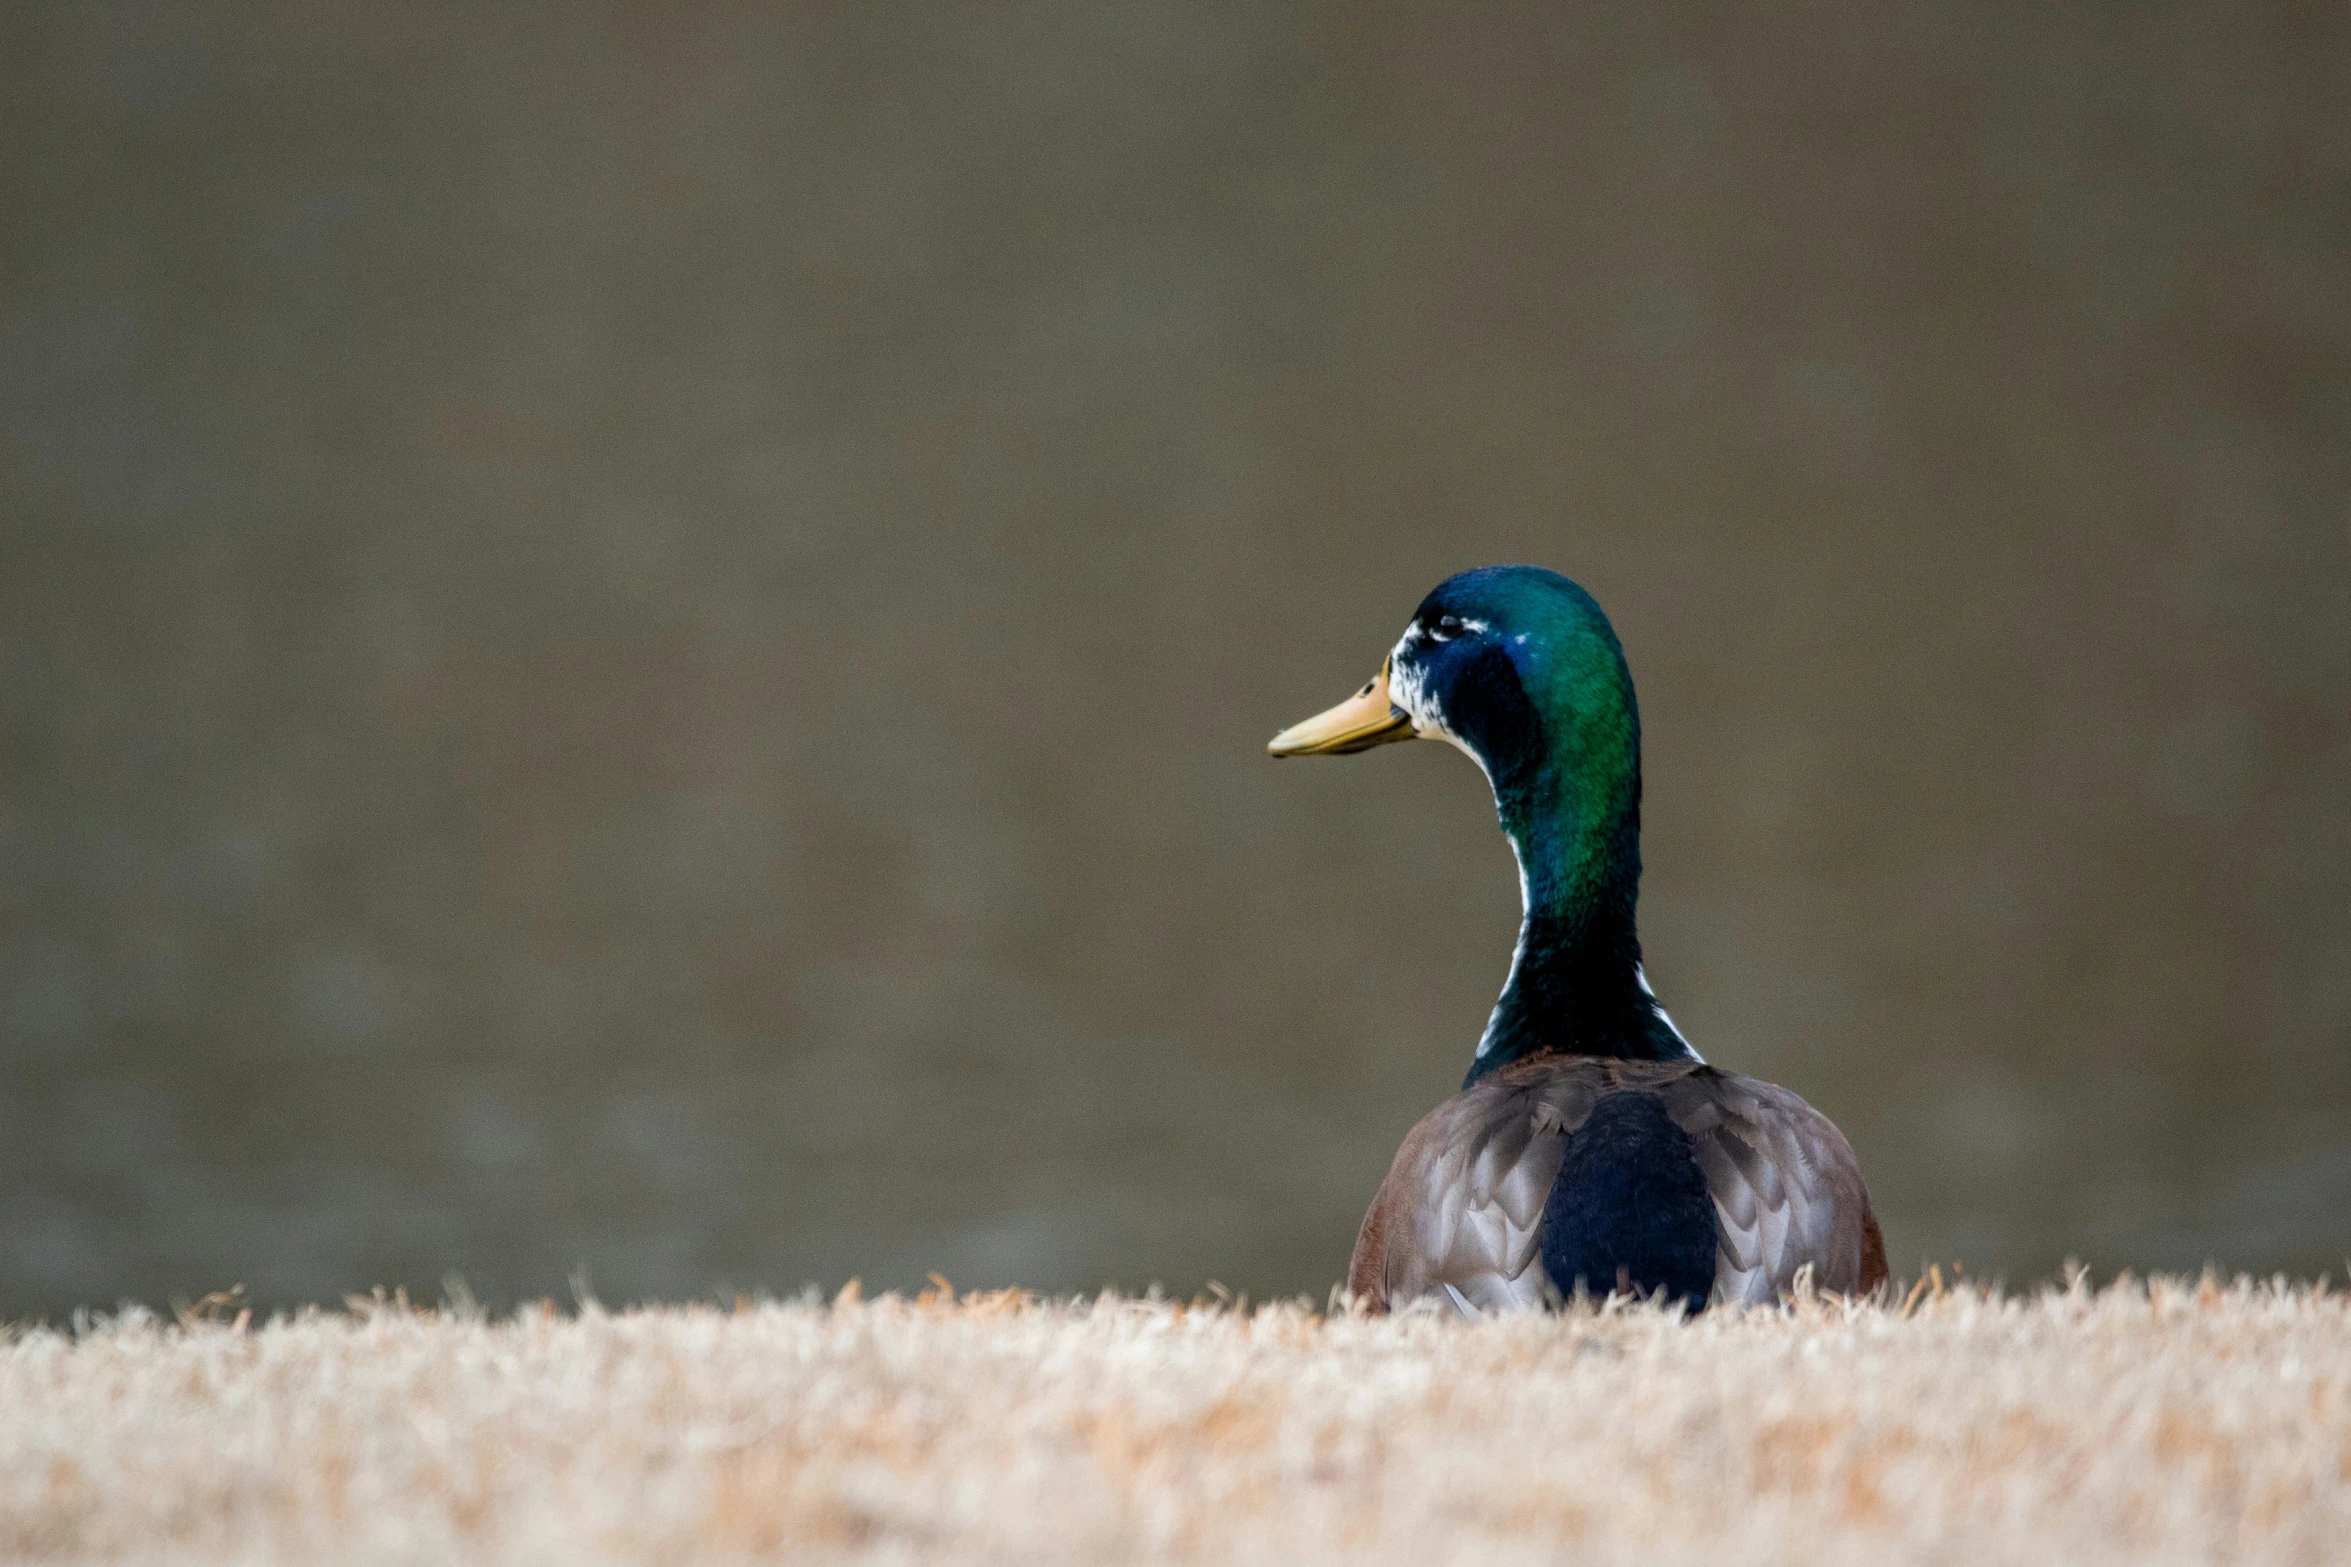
1364, 720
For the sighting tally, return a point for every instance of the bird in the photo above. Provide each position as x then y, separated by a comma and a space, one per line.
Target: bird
1591, 1150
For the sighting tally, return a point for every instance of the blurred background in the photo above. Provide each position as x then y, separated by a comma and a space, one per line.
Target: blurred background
636, 640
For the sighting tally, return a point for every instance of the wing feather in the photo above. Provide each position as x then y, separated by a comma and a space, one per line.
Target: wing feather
1787, 1189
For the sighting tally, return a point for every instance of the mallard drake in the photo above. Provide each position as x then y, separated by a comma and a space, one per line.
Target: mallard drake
1590, 1148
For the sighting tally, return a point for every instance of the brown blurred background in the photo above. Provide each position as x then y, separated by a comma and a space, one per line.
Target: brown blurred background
636, 639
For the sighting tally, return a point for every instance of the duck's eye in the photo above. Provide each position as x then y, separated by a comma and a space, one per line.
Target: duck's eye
1447, 628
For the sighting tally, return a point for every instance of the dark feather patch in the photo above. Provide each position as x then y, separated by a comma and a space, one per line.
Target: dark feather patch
1629, 1207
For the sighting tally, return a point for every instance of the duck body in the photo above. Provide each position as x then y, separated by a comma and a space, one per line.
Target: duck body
1590, 1149
1562, 1175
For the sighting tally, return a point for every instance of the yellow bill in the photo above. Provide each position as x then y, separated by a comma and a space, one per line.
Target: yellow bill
1364, 720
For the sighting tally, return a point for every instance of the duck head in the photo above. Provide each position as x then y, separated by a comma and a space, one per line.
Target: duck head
1518, 667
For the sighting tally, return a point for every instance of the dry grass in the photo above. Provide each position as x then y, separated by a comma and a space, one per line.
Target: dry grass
2181, 1422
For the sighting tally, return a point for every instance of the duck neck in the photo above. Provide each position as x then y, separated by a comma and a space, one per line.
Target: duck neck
1575, 983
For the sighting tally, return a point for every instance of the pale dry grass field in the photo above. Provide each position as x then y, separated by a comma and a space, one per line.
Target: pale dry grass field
2184, 1421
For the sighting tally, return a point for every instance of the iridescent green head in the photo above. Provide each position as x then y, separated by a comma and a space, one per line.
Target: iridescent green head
1518, 667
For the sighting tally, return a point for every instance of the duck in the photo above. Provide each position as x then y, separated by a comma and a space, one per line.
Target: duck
1591, 1150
